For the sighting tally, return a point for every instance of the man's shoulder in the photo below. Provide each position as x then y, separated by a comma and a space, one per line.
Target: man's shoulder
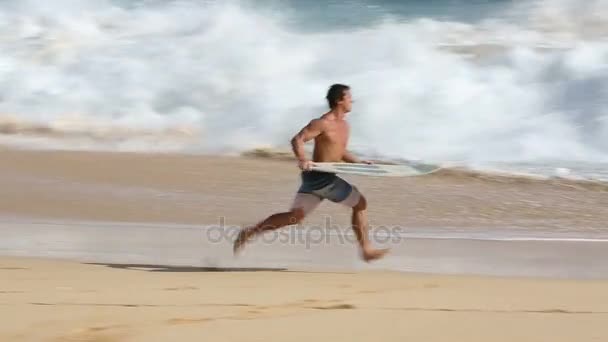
319, 122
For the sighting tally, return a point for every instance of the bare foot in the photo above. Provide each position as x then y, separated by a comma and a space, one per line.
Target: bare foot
374, 254
241, 239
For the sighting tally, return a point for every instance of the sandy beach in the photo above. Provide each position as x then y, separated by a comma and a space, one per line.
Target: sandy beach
137, 139
47, 300
121, 256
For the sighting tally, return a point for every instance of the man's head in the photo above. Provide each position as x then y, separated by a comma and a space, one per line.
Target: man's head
338, 96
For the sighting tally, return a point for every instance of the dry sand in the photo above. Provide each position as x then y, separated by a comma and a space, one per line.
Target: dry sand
45, 300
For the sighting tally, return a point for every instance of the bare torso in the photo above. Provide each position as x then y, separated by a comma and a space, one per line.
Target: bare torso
331, 144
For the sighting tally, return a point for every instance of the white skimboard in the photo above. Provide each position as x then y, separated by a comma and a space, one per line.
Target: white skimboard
377, 170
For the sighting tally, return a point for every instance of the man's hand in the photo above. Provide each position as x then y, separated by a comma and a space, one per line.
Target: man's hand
349, 157
305, 165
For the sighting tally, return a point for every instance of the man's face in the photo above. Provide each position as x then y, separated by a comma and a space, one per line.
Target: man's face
347, 101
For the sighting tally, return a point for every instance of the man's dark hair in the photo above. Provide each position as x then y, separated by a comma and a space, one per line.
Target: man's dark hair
335, 94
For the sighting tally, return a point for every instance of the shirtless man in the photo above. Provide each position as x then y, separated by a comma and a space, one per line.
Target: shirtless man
330, 133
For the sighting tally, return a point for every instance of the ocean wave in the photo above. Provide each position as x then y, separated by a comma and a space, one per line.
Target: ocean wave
239, 77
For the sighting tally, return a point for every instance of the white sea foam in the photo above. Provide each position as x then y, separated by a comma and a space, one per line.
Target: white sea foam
222, 77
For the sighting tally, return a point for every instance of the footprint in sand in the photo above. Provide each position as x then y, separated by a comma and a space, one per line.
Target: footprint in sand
110, 333
178, 321
343, 306
182, 288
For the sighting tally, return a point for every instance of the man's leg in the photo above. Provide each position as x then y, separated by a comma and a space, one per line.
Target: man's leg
302, 205
360, 226
358, 203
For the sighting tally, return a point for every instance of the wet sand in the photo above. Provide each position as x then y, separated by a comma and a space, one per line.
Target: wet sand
190, 189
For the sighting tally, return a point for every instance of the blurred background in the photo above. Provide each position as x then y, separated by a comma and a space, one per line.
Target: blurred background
515, 85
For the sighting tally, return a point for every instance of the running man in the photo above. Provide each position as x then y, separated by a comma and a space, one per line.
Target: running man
330, 133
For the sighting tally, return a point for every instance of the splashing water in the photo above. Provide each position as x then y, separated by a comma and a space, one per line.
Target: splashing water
524, 85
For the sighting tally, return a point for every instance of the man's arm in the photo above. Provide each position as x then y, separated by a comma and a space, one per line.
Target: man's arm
350, 158
310, 131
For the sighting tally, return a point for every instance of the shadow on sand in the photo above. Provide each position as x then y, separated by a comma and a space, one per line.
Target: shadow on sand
166, 268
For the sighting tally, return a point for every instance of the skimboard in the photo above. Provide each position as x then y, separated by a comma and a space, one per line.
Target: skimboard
378, 170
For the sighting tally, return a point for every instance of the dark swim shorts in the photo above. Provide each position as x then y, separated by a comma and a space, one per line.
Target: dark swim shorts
317, 186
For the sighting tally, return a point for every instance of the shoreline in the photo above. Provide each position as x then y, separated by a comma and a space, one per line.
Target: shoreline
80, 196
299, 248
